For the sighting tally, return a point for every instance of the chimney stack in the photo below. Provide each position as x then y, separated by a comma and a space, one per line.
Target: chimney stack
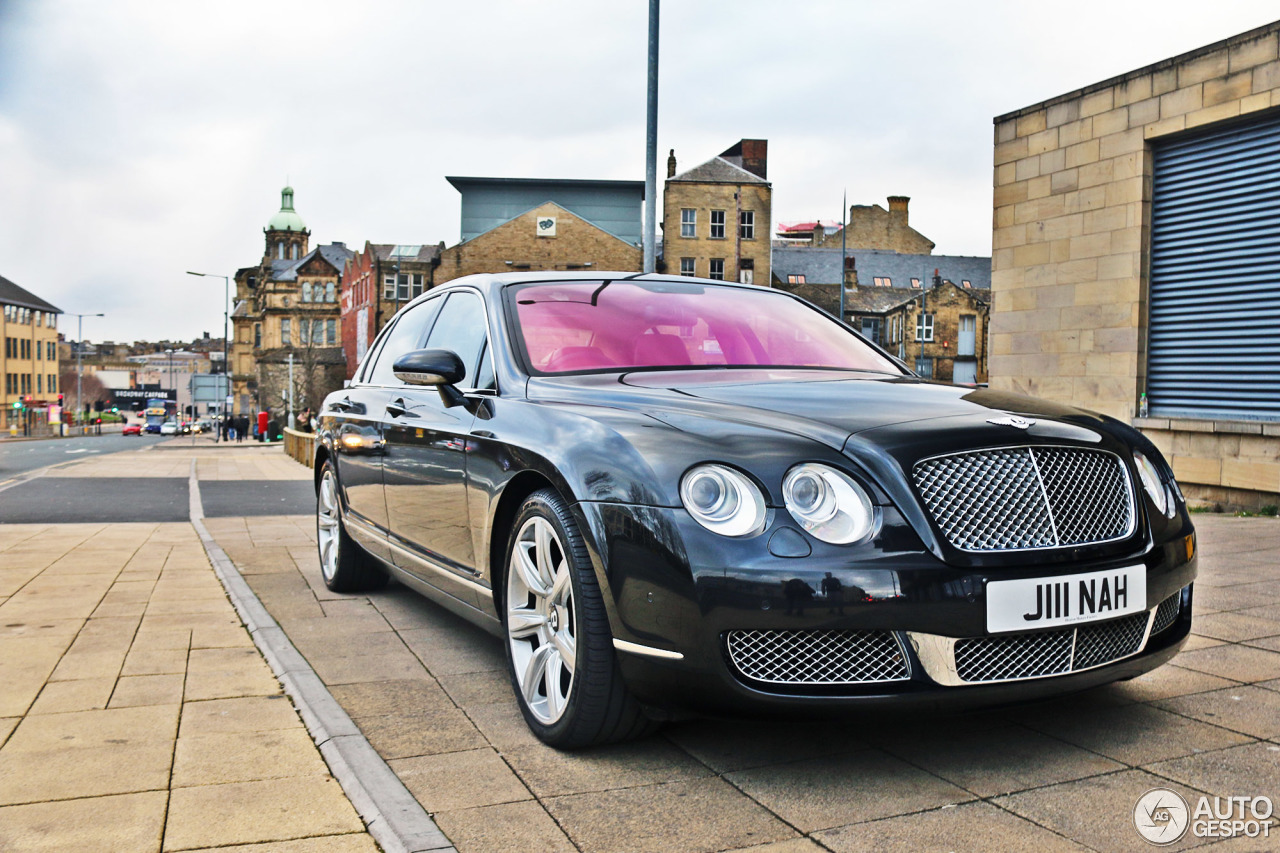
671, 164
898, 208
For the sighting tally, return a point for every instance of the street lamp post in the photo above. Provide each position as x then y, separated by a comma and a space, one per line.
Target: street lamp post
79, 347
173, 385
226, 363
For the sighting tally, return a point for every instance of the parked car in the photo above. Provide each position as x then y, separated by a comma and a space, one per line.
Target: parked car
170, 428
204, 425
131, 429
670, 495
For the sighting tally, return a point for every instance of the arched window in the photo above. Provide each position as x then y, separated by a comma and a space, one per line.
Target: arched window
306, 291
294, 254
280, 249
328, 292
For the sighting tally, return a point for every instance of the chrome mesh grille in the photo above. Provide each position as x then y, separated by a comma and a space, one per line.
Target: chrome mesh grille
1108, 641
1008, 657
1020, 498
1014, 656
817, 657
1167, 612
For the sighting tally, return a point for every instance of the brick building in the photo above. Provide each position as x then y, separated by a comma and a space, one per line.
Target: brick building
287, 305
1135, 253
375, 283
717, 217
29, 361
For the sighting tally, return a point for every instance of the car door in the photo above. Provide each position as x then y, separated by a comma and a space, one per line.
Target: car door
359, 438
425, 466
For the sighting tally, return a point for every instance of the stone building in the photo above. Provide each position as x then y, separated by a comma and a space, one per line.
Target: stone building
1135, 254
287, 305
545, 224
376, 282
717, 217
29, 361
869, 226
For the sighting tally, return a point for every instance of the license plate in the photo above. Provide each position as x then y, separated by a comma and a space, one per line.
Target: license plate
1020, 605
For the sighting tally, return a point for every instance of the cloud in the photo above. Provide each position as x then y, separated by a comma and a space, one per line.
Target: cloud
140, 139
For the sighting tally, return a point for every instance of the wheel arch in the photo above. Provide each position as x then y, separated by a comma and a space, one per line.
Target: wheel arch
512, 498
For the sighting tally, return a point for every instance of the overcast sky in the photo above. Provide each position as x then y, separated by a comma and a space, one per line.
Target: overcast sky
139, 140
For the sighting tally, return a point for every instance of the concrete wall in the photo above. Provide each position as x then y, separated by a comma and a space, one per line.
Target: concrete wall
1070, 250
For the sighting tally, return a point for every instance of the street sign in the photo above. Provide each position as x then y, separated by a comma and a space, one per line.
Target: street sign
208, 387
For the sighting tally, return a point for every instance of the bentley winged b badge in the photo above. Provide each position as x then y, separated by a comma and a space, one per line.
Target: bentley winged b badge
1013, 421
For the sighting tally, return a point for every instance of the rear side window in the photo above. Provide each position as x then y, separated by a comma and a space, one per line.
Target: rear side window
462, 328
408, 334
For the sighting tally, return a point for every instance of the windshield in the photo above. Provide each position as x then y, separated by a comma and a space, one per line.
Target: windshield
575, 327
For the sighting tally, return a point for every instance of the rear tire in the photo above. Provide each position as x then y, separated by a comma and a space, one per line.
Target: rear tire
559, 646
344, 565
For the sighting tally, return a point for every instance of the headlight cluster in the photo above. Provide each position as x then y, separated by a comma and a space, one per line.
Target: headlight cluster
824, 501
723, 500
827, 503
1161, 495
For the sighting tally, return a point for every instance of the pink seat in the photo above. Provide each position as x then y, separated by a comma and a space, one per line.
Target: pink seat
660, 350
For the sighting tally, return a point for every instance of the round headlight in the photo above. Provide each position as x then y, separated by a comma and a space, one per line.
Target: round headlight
827, 503
1151, 480
723, 500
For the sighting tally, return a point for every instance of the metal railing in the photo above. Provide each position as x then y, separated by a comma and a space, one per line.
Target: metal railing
300, 445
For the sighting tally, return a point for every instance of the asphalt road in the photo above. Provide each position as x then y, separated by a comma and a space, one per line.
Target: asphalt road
20, 456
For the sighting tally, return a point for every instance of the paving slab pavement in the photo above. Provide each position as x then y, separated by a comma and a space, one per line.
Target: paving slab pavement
430, 693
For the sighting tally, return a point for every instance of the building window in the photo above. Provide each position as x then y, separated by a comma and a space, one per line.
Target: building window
795, 279
717, 225
328, 292
306, 291
286, 337
915, 282
686, 267
389, 287
747, 224
717, 269
417, 284
965, 283
294, 253
747, 271
331, 332
257, 335
688, 222
924, 327
404, 288
50, 350
317, 332
871, 329
280, 249
924, 367
39, 383
53, 383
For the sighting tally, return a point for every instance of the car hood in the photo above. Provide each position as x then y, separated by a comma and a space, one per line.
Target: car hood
828, 406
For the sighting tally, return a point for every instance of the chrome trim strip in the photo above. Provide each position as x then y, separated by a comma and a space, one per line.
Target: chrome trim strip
478, 588
648, 651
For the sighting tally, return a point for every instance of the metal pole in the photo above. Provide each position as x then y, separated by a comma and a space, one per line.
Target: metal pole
651, 148
844, 208
291, 423
226, 357
79, 376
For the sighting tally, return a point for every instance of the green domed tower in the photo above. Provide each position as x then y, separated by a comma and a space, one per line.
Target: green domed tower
287, 234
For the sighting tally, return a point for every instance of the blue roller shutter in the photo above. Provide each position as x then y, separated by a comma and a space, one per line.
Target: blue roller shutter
1215, 275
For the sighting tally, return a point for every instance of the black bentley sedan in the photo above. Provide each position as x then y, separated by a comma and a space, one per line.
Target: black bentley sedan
670, 495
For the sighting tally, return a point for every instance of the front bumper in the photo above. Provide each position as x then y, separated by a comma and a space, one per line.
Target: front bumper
674, 589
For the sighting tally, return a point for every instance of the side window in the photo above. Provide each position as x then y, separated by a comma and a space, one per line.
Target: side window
407, 335
462, 328
485, 380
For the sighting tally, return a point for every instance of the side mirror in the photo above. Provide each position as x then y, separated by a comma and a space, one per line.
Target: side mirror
429, 367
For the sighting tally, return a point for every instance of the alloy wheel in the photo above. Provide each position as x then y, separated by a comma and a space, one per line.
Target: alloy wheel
328, 524
541, 622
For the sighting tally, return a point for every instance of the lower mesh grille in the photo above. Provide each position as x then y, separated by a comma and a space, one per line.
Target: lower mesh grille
817, 657
1012, 656
1167, 612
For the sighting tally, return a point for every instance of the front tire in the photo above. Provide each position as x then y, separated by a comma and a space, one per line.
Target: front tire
559, 645
344, 565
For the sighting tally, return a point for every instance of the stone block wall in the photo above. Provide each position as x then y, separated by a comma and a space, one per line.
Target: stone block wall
705, 197
1071, 245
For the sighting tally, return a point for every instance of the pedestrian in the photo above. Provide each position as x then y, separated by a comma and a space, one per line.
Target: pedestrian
304, 420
